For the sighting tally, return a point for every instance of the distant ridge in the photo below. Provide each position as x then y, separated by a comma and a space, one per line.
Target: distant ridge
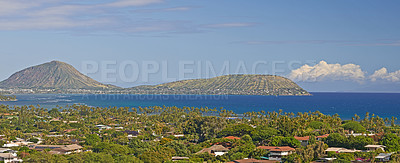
60, 77
228, 84
53, 75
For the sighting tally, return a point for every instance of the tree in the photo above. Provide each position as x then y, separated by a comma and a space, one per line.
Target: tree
354, 126
317, 125
54, 112
285, 141
237, 130
336, 140
258, 153
92, 139
392, 142
359, 142
276, 141
34, 140
293, 158
263, 133
112, 149
180, 148
152, 157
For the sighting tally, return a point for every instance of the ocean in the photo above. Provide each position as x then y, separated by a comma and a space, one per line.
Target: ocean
344, 104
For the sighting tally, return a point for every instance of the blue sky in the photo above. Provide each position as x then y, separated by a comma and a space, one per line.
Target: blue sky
362, 33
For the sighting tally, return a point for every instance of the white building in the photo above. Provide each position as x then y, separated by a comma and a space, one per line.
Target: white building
383, 157
341, 150
375, 147
276, 153
103, 127
216, 150
9, 158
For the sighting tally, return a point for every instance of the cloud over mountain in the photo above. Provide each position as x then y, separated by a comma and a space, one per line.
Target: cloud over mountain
324, 71
382, 74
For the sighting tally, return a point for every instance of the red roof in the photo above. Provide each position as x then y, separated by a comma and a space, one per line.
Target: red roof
302, 138
70, 130
308, 137
323, 136
231, 137
252, 160
277, 149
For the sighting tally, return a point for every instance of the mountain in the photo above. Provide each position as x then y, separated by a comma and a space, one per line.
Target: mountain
52, 75
228, 84
66, 79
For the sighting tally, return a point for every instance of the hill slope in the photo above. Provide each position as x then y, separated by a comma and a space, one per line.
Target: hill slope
55, 74
228, 84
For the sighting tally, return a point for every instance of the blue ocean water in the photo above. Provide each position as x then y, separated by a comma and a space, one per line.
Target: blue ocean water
345, 104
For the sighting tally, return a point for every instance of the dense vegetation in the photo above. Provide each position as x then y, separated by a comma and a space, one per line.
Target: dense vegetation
202, 127
7, 98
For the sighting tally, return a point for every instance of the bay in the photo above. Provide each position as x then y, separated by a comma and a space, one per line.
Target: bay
344, 104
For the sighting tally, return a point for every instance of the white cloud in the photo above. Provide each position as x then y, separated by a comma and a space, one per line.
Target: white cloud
171, 9
223, 25
10, 7
128, 3
178, 9
62, 14
382, 74
325, 72
97, 16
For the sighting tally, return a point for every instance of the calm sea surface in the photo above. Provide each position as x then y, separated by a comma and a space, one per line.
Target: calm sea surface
345, 104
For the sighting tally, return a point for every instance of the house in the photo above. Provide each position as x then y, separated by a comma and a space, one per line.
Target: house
7, 150
58, 149
103, 127
383, 157
119, 128
180, 158
276, 153
9, 158
341, 150
11, 144
319, 138
54, 136
252, 160
359, 134
179, 135
375, 147
131, 134
16, 143
303, 140
69, 130
217, 150
232, 138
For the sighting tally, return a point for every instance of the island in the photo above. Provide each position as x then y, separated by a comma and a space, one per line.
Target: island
8, 98
60, 77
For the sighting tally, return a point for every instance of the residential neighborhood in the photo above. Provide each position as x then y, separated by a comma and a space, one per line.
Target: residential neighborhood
161, 134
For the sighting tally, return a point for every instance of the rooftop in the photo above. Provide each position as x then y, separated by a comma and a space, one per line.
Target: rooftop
302, 138
7, 155
383, 155
375, 146
232, 137
341, 150
277, 149
252, 160
213, 148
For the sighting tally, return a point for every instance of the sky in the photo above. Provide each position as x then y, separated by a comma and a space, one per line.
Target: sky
336, 45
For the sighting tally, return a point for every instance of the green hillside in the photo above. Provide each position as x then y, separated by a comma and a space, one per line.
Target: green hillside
228, 84
55, 74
